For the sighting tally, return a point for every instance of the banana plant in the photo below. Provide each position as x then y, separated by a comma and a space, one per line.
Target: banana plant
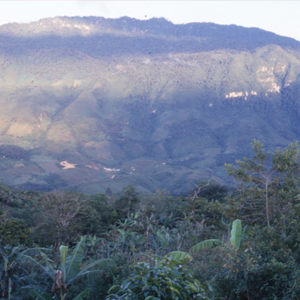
69, 273
5, 267
12, 276
235, 239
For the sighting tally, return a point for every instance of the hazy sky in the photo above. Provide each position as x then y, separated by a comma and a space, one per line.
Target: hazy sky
281, 17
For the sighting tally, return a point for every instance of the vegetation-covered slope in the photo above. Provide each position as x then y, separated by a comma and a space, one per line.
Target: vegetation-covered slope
92, 103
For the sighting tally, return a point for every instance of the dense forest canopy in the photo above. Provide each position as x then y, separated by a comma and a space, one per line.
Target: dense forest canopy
217, 243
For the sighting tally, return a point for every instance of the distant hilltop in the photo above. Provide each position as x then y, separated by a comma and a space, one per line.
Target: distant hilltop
202, 36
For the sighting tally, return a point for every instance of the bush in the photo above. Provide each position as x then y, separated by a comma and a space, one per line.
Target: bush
164, 280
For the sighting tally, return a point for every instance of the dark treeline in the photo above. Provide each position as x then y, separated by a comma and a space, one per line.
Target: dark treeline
217, 243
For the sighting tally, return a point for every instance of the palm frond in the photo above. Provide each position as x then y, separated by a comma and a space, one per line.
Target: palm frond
26, 260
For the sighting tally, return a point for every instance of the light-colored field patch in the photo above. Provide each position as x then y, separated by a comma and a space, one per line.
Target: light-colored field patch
270, 79
57, 83
241, 94
16, 166
234, 95
274, 88
67, 165
94, 167
111, 169
20, 129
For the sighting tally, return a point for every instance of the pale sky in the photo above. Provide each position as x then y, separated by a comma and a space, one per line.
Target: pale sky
281, 17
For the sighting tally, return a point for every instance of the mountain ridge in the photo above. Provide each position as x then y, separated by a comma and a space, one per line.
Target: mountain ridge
91, 113
210, 34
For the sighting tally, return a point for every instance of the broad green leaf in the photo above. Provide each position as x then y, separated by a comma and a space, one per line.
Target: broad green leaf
179, 256
113, 288
63, 256
236, 233
206, 244
73, 261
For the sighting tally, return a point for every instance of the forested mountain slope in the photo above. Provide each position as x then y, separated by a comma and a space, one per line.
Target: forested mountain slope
91, 103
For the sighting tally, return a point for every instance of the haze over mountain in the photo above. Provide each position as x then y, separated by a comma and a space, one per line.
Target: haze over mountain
91, 103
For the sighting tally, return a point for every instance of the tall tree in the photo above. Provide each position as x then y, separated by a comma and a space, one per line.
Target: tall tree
266, 182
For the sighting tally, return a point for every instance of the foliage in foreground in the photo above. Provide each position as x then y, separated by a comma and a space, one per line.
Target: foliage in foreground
161, 278
137, 246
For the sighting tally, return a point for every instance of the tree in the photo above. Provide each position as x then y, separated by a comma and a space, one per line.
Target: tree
267, 181
13, 231
70, 272
206, 206
59, 211
128, 201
